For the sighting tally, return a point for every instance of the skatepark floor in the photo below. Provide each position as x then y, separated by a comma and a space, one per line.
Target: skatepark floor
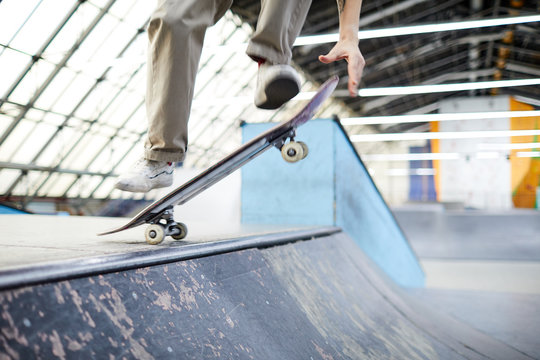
482, 268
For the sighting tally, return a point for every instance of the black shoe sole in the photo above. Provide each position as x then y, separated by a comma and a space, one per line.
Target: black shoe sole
278, 92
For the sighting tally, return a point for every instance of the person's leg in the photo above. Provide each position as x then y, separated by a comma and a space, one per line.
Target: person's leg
280, 22
176, 34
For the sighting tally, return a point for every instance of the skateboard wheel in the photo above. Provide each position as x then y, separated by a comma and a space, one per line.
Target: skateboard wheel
154, 234
292, 152
183, 231
305, 149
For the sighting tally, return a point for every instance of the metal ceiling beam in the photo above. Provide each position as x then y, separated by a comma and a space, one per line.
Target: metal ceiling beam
7, 45
48, 169
522, 68
85, 132
382, 101
431, 47
110, 127
58, 67
388, 11
73, 111
38, 55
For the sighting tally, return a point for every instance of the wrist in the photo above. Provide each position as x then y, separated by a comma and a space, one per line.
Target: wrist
348, 32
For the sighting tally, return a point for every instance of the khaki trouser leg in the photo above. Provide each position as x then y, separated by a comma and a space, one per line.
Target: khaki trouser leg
280, 22
176, 33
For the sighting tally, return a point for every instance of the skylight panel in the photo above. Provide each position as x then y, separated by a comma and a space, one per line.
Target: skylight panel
132, 12
137, 122
103, 162
124, 105
105, 54
96, 102
13, 16
32, 143
24, 187
31, 82
102, 130
86, 57
39, 26
85, 186
122, 7
57, 185
75, 191
4, 122
105, 189
70, 33
8, 176
11, 144
98, 3
53, 119
56, 88
139, 13
73, 94
12, 64
131, 157
81, 156
57, 149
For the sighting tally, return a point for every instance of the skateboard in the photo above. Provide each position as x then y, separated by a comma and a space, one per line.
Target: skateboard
160, 213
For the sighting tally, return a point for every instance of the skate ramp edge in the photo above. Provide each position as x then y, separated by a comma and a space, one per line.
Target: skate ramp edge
330, 187
296, 296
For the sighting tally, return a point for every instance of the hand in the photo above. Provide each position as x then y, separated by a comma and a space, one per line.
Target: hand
349, 51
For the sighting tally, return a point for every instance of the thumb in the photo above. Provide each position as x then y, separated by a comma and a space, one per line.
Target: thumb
328, 58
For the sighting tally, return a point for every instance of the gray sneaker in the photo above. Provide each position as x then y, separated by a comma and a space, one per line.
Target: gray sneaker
146, 175
276, 84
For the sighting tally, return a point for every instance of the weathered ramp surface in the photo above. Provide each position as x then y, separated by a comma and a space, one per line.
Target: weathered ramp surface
314, 299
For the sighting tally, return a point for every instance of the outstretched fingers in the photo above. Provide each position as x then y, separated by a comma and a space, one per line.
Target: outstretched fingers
355, 68
349, 51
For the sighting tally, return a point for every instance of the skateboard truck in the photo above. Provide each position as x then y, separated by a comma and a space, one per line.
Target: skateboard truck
164, 225
291, 151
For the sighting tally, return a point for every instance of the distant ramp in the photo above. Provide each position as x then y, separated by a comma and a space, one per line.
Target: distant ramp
316, 297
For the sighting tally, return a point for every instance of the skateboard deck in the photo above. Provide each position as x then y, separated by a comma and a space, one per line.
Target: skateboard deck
160, 213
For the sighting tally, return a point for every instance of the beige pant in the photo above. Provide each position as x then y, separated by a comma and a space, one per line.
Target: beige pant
176, 33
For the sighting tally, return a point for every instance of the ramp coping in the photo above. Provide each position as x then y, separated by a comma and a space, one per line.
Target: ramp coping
76, 268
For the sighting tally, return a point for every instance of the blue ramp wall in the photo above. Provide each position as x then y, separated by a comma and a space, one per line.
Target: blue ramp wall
330, 187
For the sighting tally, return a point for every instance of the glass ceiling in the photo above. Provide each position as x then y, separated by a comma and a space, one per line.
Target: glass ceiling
72, 81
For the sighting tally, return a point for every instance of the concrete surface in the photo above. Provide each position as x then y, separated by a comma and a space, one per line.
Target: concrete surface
320, 298
510, 317
482, 268
39, 239
478, 235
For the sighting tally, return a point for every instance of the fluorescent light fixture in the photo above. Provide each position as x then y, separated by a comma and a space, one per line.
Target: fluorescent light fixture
400, 119
442, 135
528, 154
408, 172
419, 29
517, 146
396, 31
411, 157
486, 155
425, 89
483, 155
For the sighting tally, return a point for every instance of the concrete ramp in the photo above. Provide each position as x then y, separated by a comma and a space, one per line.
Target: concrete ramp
330, 187
309, 295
